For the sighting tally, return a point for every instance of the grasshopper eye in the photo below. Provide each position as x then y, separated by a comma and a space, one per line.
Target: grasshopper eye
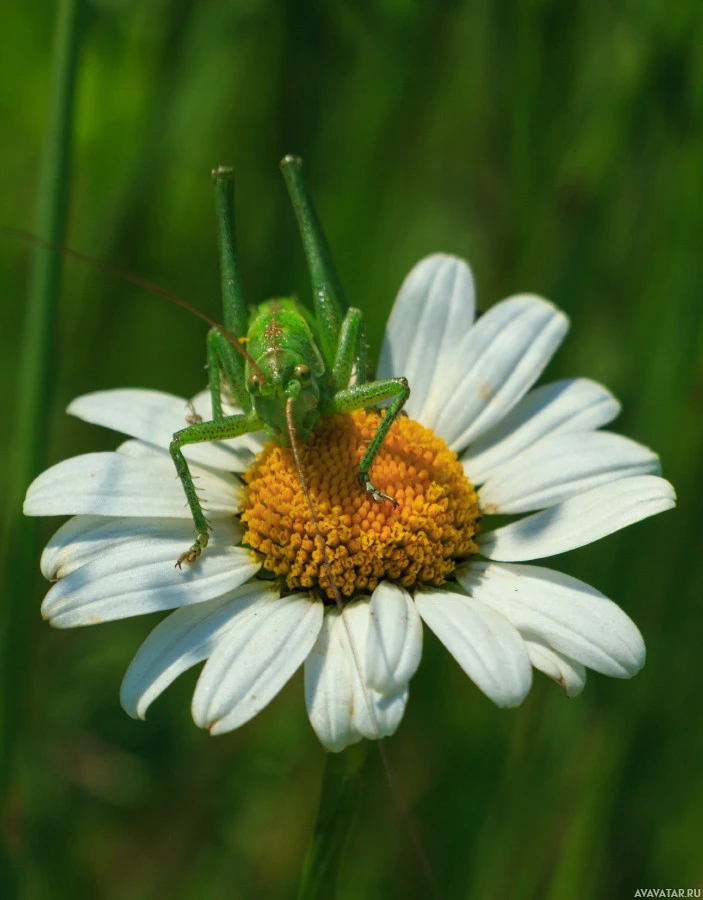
254, 382
302, 373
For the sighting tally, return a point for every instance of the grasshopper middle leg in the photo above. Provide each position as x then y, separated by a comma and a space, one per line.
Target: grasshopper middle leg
361, 396
202, 432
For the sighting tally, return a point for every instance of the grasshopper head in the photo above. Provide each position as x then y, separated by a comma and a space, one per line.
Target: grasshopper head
286, 377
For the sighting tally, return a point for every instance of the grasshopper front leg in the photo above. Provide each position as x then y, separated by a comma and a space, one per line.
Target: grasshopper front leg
361, 396
202, 432
350, 353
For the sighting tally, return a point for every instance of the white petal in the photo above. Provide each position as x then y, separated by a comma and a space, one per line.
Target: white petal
486, 646
495, 365
376, 714
566, 672
153, 417
343, 709
85, 538
329, 692
182, 640
432, 312
580, 520
139, 450
139, 575
111, 484
561, 466
568, 615
388, 712
258, 656
575, 404
394, 640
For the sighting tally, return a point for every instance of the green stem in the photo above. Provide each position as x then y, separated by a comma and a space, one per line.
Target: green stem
34, 389
340, 799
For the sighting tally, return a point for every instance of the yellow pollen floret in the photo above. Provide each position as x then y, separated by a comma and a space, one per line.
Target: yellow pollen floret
415, 542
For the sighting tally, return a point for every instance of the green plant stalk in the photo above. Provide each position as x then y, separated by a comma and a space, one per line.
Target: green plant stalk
34, 397
340, 798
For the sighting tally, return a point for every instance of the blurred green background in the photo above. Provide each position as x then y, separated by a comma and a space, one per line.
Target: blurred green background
556, 145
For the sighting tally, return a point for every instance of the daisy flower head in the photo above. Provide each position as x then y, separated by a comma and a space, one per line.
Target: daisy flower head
479, 440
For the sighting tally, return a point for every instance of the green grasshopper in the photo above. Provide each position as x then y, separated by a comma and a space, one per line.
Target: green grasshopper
295, 368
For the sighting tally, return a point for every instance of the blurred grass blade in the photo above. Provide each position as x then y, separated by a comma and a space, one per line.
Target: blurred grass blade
340, 799
34, 388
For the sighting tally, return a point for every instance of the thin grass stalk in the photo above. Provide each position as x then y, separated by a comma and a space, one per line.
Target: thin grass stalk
340, 799
34, 400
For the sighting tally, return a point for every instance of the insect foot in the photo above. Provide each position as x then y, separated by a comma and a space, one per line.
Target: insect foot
190, 555
193, 418
377, 495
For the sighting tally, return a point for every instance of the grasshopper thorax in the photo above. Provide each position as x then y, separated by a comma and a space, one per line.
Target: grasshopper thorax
282, 345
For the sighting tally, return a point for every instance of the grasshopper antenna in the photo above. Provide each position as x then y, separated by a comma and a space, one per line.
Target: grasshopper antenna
136, 280
339, 601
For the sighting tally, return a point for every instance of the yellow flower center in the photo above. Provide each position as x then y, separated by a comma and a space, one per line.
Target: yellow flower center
415, 542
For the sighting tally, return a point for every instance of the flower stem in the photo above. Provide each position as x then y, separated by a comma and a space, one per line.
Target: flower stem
34, 388
336, 816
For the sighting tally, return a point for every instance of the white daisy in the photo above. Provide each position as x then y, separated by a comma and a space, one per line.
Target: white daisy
478, 442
